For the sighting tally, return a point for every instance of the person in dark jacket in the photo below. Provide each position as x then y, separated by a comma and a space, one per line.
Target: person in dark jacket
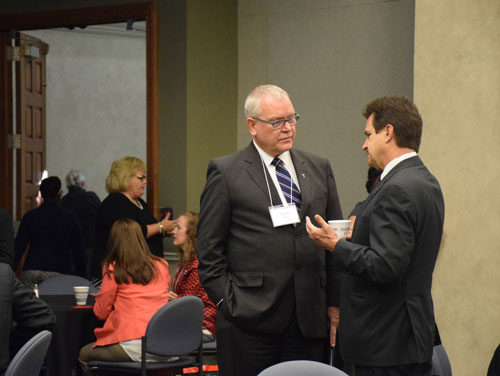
84, 203
125, 184
6, 238
51, 237
19, 304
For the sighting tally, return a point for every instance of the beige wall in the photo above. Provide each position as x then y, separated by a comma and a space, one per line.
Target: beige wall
457, 88
198, 91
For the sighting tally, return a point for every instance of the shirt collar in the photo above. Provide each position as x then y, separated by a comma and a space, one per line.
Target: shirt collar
285, 156
395, 162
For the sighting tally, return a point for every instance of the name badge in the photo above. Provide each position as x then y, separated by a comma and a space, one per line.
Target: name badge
282, 215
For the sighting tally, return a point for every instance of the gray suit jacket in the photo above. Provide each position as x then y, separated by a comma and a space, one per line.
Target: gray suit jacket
387, 315
264, 273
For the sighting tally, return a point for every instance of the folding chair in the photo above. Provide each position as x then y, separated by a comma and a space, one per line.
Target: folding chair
28, 360
175, 330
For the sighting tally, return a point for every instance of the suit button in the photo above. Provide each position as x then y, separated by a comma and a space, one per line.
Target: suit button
297, 236
298, 267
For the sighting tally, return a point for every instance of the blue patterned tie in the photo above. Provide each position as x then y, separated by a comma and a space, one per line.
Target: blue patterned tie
288, 187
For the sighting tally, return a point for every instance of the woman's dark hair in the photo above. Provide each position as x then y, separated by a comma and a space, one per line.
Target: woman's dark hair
373, 175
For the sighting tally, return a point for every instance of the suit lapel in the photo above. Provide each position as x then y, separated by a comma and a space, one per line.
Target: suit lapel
304, 181
256, 170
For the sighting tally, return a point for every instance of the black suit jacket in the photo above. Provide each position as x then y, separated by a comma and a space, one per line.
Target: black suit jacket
19, 304
264, 273
6, 238
386, 311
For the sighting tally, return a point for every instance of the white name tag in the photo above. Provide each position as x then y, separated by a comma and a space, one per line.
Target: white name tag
282, 215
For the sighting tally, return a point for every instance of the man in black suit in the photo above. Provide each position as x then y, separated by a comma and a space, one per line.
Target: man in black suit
387, 321
6, 238
270, 282
19, 305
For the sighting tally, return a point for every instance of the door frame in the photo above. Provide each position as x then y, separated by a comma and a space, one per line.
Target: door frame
146, 11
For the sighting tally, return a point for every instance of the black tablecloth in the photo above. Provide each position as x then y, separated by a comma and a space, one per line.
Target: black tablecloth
74, 329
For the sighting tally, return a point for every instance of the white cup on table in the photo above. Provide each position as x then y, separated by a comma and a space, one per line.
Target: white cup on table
81, 294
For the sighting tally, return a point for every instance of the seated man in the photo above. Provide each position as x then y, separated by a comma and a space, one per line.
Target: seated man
6, 238
30, 314
51, 236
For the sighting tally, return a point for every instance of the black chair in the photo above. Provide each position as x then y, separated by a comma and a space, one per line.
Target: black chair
440, 363
300, 368
28, 360
63, 285
173, 331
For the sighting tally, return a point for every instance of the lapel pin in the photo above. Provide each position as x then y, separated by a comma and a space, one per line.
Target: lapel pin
303, 176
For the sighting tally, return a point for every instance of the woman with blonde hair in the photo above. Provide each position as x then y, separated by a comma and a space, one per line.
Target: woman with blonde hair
134, 287
125, 184
186, 280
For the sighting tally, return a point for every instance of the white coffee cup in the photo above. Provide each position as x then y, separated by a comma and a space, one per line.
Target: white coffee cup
341, 227
81, 294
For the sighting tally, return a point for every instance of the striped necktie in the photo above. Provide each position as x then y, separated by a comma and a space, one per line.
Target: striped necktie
288, 187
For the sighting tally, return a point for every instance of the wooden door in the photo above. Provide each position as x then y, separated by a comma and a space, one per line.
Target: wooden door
31, 118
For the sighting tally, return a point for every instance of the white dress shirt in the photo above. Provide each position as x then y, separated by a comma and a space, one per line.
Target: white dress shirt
287, 161
394, 163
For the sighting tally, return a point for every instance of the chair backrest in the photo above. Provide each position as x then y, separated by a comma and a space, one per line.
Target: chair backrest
175, 329
440, 363
63, 285
300, 368
29, 358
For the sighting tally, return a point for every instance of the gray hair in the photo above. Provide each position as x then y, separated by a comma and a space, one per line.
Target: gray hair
252, 103
75, 178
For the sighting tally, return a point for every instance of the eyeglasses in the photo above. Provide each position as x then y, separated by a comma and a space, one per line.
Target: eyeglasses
280, 123
141, 178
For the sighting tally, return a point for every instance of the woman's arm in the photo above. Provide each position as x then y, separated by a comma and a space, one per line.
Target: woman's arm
105, 300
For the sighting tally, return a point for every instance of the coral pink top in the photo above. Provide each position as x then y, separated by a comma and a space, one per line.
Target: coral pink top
127, 308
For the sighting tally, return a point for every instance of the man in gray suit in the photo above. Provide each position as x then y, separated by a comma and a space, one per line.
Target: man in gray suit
387, 321
270, 282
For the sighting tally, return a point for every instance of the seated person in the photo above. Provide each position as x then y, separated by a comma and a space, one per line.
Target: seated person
134, 287
20, 306
51, 237
6, 238
186, 280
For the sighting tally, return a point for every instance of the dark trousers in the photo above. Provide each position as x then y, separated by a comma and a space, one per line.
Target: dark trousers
416, 369
242, 352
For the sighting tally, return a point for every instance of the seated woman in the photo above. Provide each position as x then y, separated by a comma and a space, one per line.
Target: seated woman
134, 287
186, 280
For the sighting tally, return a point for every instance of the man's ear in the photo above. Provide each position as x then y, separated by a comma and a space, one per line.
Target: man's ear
389, 132
251, 123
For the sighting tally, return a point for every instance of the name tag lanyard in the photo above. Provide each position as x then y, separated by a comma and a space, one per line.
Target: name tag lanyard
281, 215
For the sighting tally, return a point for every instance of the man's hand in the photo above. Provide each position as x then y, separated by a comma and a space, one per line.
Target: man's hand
333, 315
324, 236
